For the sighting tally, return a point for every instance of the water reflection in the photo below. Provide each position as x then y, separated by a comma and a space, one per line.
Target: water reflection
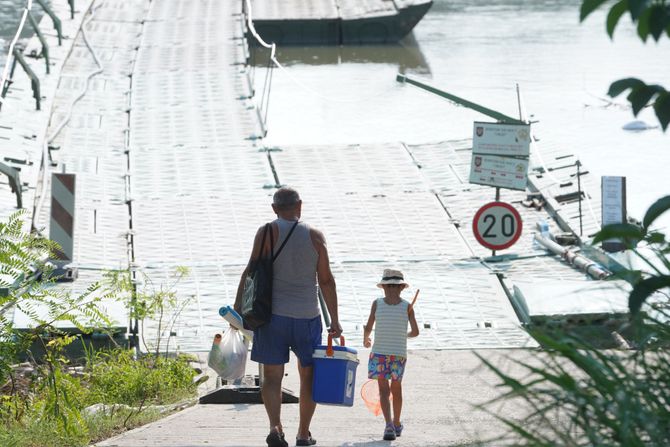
406, 54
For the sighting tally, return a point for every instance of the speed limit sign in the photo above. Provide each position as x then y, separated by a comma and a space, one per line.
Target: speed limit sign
497, 225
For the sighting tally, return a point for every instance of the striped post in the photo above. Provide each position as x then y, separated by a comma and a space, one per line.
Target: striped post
61, 229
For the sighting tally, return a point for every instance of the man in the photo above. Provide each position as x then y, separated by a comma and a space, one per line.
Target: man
296, 320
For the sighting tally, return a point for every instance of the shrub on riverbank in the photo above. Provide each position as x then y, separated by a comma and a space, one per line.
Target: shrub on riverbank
50, 401
49, 407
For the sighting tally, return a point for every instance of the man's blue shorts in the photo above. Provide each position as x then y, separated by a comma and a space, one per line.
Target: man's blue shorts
273, 340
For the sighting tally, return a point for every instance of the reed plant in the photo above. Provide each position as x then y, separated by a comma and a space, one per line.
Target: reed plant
48, 405
574, 394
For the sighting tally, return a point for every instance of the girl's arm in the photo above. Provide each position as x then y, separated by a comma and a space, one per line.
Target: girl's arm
412, 323
367, 329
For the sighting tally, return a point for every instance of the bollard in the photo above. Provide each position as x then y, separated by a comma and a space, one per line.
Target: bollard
61, 228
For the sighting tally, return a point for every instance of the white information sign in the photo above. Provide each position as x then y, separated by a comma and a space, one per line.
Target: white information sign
613, 200
501, 172
510, 140
613, 207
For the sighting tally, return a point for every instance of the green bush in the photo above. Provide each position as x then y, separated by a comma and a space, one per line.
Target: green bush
578, 395
120, 379
50, 411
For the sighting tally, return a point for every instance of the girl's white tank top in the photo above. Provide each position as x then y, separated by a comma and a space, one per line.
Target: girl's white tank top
391, 328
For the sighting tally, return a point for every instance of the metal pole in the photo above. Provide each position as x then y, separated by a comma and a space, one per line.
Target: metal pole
14, 182
579, 191
324, 309
34, 80
493, 252
518, 101
54, 19
458, 100
43, 41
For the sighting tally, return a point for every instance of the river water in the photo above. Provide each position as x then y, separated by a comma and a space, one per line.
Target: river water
478, 50
10, 14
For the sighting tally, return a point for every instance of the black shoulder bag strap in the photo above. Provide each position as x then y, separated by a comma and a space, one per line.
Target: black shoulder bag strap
285, 240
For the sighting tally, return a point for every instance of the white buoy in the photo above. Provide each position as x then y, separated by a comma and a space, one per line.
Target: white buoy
638, 126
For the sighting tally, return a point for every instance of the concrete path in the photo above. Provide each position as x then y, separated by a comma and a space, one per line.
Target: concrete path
439, 390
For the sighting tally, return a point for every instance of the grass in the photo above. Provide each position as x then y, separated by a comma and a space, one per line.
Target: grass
49, 409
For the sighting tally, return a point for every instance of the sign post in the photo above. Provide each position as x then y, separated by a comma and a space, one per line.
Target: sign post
497, 225
500, 154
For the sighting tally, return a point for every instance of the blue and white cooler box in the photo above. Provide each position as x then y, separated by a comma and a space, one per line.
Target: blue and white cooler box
334, 374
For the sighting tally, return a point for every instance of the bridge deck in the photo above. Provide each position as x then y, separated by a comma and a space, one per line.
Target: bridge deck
170, 173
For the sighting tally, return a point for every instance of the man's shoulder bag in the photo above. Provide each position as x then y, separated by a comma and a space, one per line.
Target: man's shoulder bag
257, 294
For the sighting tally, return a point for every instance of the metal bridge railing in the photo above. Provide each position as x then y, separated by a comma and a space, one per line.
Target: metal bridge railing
15, 53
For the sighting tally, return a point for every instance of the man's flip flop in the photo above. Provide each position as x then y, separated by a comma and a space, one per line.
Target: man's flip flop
276, 439
305, 442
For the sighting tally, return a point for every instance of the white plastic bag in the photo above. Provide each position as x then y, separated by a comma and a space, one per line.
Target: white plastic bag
228, 356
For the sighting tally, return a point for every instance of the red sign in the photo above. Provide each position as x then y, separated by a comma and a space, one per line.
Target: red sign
497, 225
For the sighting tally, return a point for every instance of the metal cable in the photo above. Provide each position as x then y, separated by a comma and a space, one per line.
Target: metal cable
266, 106
22, 22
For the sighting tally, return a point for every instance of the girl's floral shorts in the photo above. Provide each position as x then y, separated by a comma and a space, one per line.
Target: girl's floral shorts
389, 367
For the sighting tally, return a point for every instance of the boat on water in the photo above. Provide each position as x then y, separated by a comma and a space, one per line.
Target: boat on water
336, 22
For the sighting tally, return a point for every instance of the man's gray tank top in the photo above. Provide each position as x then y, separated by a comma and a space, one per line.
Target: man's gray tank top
294, 288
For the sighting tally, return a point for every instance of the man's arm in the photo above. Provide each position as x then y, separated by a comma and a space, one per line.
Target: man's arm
326, 281
255, 253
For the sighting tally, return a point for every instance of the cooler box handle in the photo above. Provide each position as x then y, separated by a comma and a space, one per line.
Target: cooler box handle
329, 349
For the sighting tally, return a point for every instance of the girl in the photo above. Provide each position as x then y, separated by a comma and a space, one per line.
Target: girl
389, 352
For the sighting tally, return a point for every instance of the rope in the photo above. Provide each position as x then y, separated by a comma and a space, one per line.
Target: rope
273, 57
22, 22
265, 99
46, 154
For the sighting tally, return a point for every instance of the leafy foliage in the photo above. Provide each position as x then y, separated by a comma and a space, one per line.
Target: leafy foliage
109, 377
117, 378
147, 299
656, 280
26, 275
46, 409
576, 395
653, 19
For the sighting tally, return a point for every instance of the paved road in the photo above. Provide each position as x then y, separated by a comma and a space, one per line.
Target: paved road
440, 389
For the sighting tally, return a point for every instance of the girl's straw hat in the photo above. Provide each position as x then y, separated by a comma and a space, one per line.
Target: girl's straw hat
391, 276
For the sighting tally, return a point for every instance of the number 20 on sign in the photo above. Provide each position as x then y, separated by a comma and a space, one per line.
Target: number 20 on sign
497, 225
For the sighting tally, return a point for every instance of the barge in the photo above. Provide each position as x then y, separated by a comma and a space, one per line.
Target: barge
336, 22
